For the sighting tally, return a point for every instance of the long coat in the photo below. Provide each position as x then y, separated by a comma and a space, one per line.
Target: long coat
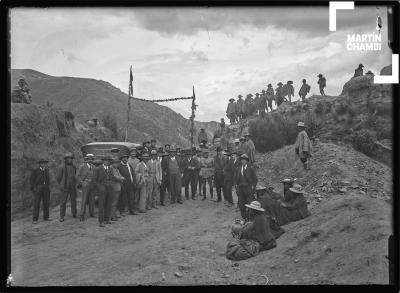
251, 150
240, 106
231, 109
157, 169
304, 90
249, 177
36, 178
303, 144
123, 169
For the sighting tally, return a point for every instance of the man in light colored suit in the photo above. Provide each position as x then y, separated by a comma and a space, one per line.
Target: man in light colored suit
142, 175
84, 177
154, 182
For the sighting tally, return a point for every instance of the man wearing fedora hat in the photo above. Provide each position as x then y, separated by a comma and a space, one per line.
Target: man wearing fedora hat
154, 180
207, 173
263, 103
257, 103
279, 94
228, 172
322, 84
245, 181
219, 162
141, 178
359, 71
116, 184
270, 96
40, 187
249, 105
127, 201
174, 169
190, 170
303, 145
84, 177
231, 111
66, 177
304, 90
240, 108
102, 178
294, 209
164, 189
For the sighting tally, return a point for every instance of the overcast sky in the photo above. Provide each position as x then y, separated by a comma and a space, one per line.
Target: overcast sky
222, 51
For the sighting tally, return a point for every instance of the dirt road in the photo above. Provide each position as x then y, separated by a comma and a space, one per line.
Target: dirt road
344, 241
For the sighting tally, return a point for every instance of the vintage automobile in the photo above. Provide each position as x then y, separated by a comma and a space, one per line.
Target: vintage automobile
101, 149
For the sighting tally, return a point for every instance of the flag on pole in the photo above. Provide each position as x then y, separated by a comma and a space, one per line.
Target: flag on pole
130, 83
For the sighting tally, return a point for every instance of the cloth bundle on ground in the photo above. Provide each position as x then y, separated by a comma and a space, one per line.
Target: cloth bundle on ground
240, 249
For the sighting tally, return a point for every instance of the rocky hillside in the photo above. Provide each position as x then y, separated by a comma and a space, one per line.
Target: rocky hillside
88, 98
41, 131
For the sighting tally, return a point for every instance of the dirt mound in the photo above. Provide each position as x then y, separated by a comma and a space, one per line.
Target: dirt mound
36, 132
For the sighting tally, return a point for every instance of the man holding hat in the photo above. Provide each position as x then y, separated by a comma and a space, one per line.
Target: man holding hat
303, 145
40, 187
174, 169
84, 177
359, 71
246, 182
154, 180
141, 178
102, 178
240, 108
66, 178
322, 84
304, 90
270, 96
127, 200
231, 111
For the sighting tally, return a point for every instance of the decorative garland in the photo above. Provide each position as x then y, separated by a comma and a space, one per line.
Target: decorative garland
163, 100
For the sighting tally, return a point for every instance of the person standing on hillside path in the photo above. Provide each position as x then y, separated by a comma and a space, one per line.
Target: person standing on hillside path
133, 161
84, 177
190, 170
153, 145
228, 172
304, 90
202, 138
303, 145
270, 96
251, 149
231, 111
66, 178
243, 148
263, 103
240, 108
219, 162
40, 187
249, 107
116, 184
279, 94
245, 181
257, 103
359, 71
322, 84
289, 90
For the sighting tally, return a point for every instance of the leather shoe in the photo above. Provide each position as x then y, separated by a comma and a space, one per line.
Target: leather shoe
48, 219
61, 219
102, 225
34, 222
179, 201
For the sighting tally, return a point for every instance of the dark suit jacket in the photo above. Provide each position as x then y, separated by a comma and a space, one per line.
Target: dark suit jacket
249, 177
229, 169
36, 178
178, 159
125, 173
195, 164
219, 164
100, 175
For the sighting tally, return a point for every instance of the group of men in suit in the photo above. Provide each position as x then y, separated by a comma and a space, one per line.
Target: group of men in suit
138, 181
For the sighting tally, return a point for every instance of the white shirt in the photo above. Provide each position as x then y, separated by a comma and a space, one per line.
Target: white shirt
129, 170
105, 167
244, 168
42, 169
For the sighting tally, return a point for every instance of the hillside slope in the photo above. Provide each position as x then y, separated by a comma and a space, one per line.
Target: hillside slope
88, 98
344, 241
42, 132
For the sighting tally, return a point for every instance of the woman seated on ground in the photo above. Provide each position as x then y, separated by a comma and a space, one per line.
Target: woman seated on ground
258, 228
292, 207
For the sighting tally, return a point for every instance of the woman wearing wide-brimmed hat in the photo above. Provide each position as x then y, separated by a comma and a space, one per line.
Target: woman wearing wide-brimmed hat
295, 208
258, 227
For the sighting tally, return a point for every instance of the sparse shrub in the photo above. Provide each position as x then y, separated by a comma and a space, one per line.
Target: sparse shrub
328, 107
341, 109
371, 107
319, 108
351, 110
364, 141
110, 122
384, 134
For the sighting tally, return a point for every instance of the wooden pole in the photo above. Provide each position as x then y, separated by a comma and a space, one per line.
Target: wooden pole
130, 93
192, 118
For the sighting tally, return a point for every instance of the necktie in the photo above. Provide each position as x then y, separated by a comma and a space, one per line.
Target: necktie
242, 170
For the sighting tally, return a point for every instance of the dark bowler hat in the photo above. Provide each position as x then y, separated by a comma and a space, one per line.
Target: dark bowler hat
115, 150
145, 156
242, 138
146, 141
269, 85
360, 65
42, 161
123, 155
257, 94
231, 100
106, 158
319, 75
279, 83
304, 80
289, 81
240, 96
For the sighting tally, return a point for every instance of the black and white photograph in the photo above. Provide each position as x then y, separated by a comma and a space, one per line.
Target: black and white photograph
202, 145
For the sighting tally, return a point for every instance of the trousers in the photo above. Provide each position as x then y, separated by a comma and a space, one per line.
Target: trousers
210, 185
88, 191
190, 178
41, 194
244, 197
142, 192
153, 191
71, 193
219, 183
228, 190
115, 195
105, 199
175, 186
127, 198
163, 189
